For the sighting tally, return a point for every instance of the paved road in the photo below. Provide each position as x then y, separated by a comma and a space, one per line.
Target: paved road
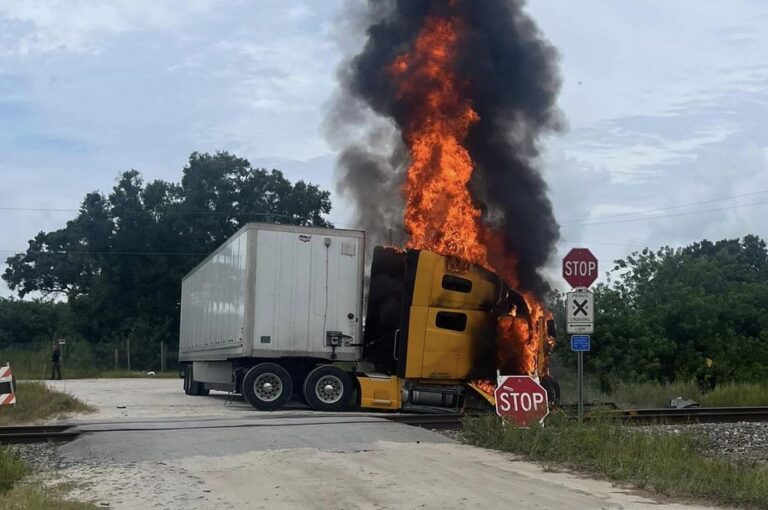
146, 398
235, 457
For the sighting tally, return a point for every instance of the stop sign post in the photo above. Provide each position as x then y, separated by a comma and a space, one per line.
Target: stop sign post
521, 400
580, 271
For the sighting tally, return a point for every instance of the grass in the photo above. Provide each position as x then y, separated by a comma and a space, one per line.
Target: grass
667, 464
36, 402
742, 394
27, 497
12, 469
653, 394
658, 395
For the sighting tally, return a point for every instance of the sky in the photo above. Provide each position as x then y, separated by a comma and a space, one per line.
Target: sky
665, 102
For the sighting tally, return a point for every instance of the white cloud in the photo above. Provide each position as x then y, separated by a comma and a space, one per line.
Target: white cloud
667, 103
77, 25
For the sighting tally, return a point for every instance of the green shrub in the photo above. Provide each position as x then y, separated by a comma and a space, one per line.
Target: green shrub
671, 464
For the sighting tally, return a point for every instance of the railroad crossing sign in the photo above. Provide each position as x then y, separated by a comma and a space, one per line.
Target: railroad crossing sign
580, 343
580, 312
580, 268
521, 400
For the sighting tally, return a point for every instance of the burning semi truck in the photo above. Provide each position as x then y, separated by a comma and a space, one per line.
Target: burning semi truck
277, 311
437, 121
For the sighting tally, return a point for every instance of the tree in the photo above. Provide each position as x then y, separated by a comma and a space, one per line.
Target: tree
698, 312
120, 261
27, 323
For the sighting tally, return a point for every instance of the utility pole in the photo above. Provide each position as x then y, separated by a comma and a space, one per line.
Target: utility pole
128, 352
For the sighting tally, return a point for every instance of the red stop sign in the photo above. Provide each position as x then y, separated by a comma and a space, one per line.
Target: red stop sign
522, 400
580, 267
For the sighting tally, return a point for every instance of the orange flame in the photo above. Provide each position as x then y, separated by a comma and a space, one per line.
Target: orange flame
440, 215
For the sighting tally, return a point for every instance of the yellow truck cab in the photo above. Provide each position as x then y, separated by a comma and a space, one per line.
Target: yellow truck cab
429, 328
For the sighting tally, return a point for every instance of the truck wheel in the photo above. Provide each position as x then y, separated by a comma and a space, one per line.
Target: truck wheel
328, 388
188, 379
267, 386
192, 387
550, 384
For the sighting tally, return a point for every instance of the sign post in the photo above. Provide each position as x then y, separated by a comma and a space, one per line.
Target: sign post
521, 400
580, 345
580, 271
62, 342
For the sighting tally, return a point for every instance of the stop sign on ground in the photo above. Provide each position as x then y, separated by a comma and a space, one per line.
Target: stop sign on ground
580, 268
521, 400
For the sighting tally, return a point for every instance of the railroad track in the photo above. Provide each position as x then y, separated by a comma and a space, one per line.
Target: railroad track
37, 433
696, 415
660, 416
43, 433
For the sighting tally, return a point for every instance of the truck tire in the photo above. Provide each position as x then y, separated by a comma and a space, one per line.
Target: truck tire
188, 379
550, 384
267, 386
192, 387
328, 388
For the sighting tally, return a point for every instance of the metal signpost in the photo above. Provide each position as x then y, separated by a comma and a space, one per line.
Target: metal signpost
580, 271
580, 345
62, 342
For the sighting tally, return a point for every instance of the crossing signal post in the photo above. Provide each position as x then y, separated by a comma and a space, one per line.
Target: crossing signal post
580, 271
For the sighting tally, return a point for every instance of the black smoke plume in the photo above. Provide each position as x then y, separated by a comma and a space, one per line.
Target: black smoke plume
512, 79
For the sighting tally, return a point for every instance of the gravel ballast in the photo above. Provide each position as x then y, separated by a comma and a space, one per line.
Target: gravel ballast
740, 442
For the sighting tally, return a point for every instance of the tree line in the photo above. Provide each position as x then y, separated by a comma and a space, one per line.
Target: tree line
114, 271
698, 312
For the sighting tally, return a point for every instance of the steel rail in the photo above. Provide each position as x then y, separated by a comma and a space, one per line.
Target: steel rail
37, 433
660, 416
696, 415
657, 416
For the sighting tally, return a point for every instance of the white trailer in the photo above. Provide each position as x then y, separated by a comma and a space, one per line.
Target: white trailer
275, 307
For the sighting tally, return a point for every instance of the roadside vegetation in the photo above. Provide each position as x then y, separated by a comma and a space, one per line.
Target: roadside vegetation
36, 402
81, 361
695, 313
654, 394
667, 464
116, 265
15, 495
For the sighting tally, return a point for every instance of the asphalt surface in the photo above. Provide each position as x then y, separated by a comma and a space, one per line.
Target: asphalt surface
161, 440
170, 451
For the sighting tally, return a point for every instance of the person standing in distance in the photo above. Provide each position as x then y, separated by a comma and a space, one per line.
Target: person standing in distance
56, 362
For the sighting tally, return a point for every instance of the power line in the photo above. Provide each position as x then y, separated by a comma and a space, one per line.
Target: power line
158, 253
665, 216
192, 212
590, 243
667, 208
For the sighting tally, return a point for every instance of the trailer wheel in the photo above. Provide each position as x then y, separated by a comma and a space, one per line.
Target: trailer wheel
328, 388
192, 387
267, 386
188, 379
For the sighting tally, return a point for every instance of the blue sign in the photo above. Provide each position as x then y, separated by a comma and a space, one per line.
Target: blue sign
580, 343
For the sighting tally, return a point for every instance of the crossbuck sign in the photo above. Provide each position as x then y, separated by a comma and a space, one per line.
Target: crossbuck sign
580, 309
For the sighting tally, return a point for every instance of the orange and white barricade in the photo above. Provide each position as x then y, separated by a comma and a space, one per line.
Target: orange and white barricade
7, 391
